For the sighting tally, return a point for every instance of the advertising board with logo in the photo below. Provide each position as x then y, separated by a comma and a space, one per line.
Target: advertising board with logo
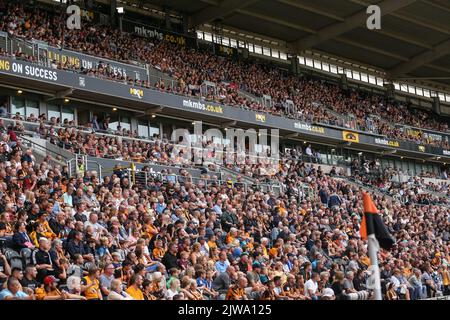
80, 60
309, 127
157, 33
350, 136
387, 142
27, 70
260, 117
202, 106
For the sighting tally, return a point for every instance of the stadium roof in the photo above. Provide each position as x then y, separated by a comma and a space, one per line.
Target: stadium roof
413, 42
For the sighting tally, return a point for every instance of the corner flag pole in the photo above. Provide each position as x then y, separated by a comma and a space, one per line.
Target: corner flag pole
373, 250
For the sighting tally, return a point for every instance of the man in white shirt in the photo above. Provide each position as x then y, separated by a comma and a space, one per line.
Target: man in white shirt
308, 152
93, 222
311, 286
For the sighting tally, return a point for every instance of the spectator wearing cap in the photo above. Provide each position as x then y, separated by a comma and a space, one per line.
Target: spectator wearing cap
50, 291
327, 294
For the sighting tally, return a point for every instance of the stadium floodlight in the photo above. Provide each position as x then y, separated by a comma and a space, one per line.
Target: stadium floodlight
19, 91
120, 10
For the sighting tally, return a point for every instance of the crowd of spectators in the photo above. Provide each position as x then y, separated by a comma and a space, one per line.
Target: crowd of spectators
190, 68
422, 188
92, 237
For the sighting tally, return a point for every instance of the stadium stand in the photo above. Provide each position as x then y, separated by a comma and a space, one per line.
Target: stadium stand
92, 211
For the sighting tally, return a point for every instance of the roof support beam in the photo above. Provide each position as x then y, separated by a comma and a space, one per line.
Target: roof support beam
222, 9
409, 18
421, 59
275, 20
436, 5
311, 9
404, 38
352, 22
372, 49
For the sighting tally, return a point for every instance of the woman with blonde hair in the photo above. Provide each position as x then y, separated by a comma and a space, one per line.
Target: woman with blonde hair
173, 290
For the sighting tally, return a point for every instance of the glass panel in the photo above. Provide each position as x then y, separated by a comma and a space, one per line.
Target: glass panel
266, 51
258, 49
154, 129
53, 111
333, 68
208, 36
143, 129
17, 106
283, 55
32, 108
309, 62
68, 113
317, 64
114, 122
364, 77
125, 123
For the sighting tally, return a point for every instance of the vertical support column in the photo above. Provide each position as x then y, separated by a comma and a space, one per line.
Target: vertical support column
113, 12
167, 19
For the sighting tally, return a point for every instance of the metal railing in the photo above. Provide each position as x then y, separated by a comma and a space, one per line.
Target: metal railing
144, 178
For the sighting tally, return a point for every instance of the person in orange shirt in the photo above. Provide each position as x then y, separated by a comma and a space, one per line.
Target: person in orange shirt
231, 236
158, 251
237, 291
46, 230
134, 289
445, 273
49, 291
90, 285
212, 242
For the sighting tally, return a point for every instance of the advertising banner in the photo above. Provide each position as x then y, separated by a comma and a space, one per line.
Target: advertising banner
157, 33
85, 61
